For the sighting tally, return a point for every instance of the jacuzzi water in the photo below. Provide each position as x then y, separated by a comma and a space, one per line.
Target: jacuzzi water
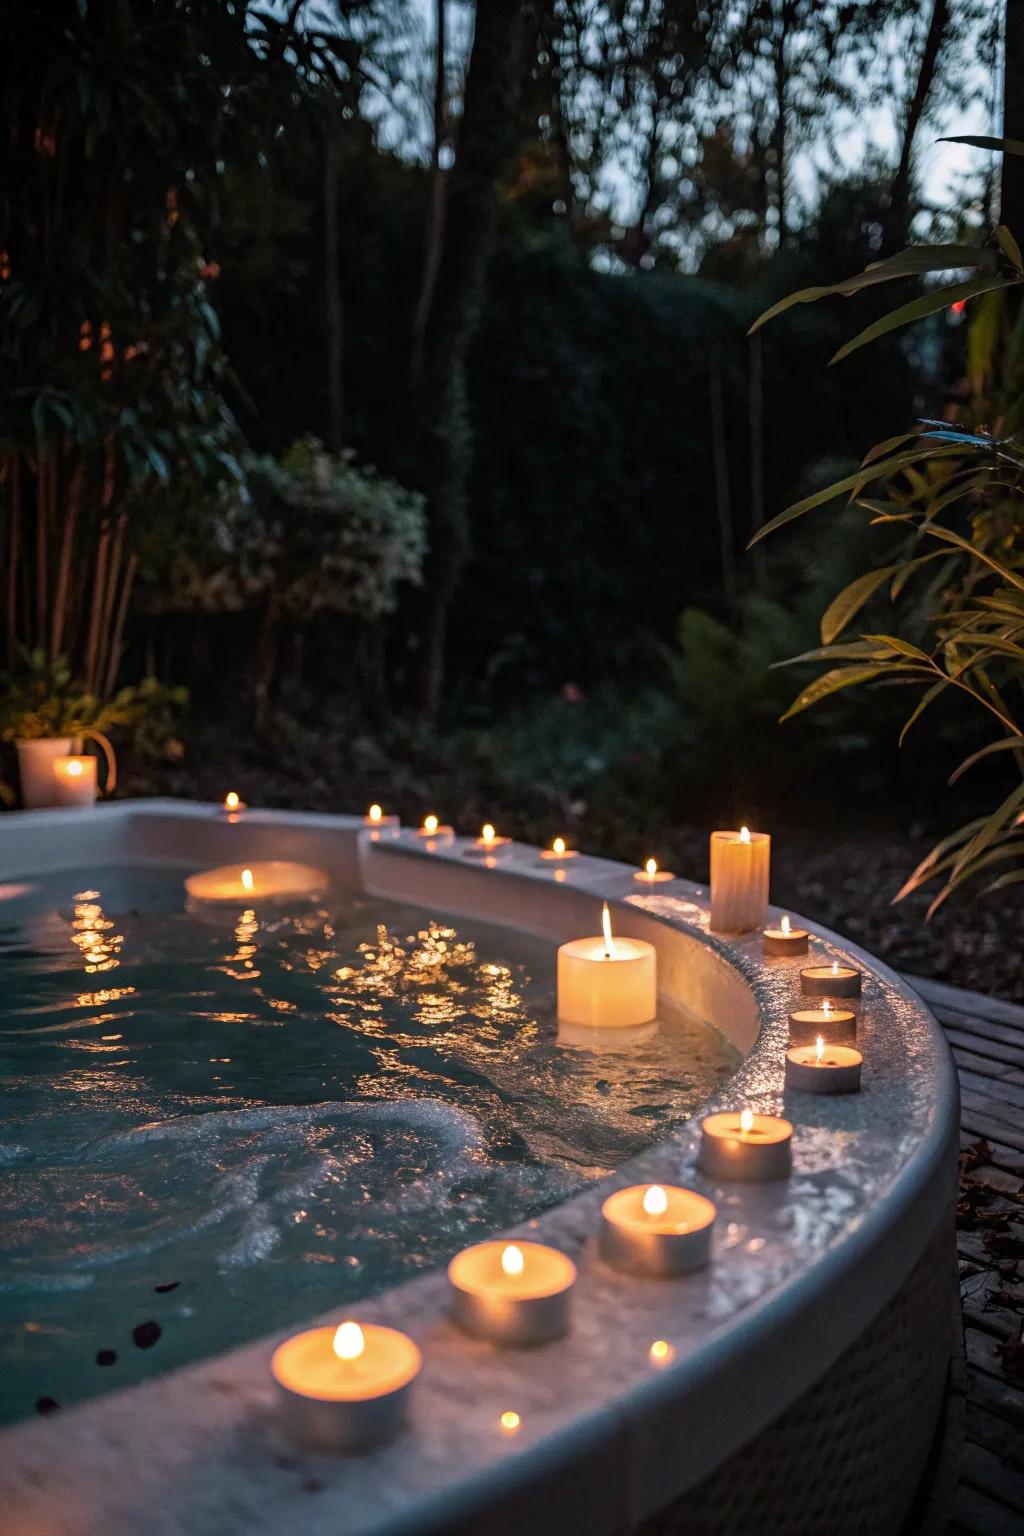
214, 1125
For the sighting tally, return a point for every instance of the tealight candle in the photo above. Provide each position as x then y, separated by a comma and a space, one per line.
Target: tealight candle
834, 1024
656, 1228
232, 805
379, 824
271, 880
512, 1293
75, 781
821, 1068
746, 1146
740, 863
488, 845
345, 1388
785, 939
652, 875
558, 852
607, 983
433, 834
833, 980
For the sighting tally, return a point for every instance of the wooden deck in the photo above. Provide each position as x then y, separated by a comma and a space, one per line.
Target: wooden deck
987, 1037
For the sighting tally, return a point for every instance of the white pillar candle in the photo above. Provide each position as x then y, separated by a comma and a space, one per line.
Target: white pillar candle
379, 825
740, 864
433, 835
512, 1293
742, 1145
822, 1068
270, 880
833, 980
342, 1389
652, 875
75, 780
606, 982
834, 1024
488, 846
783, 939
657, 1229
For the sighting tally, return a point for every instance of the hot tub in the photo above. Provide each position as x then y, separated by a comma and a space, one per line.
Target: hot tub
798, 1381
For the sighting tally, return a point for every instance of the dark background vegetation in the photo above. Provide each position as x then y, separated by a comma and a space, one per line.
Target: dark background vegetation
426, 266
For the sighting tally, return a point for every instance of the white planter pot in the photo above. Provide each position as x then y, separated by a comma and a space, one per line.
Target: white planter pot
35, 767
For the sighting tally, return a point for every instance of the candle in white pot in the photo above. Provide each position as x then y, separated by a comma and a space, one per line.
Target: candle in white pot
75, 780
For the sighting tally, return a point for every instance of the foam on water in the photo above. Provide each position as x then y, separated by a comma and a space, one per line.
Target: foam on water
226, 1126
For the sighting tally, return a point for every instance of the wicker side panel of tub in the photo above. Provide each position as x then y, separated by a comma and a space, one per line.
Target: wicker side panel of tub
848, 1459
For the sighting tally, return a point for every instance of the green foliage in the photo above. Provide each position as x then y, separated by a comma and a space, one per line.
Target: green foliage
312, 532
955, 500
42, 699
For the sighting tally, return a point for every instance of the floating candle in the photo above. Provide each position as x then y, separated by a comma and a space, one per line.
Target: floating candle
488, 845
558, 851
821, 1068
433, 834
746, 1146
740, 863
785, 939
271, 880
75, 781
652, 875
604, 982
657, 1229
832, 1023
512, 1293
833, 980
345, 1388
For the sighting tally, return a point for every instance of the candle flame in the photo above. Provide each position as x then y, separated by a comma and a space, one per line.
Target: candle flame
509, 1421
651, 867
655, 1201
375, 813
74, 767
785, 925
660, 1350
606, 927
744, 834
558, 846
835, 967
349, 1341
826, 1006
231, 801
819, 1047
430, 825
247, 881
488, 833
746, 1121
512, 1260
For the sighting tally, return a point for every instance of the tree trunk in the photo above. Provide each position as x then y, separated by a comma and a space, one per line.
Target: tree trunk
440, 462
1011, 191
779, 130
723, 497
756, 389
332, 292
899, 212
433, 236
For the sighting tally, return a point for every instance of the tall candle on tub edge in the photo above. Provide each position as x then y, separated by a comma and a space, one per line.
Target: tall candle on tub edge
740, 869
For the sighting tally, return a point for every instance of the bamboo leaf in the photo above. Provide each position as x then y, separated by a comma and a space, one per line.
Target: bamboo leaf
1005, 744
828, 683
983, 141
902, 647
1008, 246
852, 650
910, 263
923, 703
937, 531
853, 483
848, 603
917, 309
991, 828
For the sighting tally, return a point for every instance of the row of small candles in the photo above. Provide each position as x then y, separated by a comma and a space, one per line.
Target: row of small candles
347, 1387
